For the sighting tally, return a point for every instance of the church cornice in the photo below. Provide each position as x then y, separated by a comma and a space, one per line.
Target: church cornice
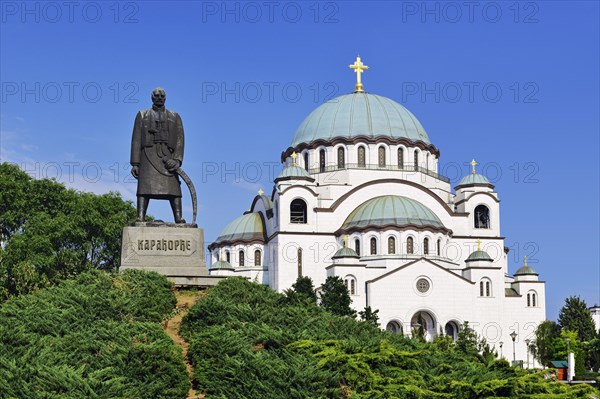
361, 139
473, 185
302, 187
412, 263
478, 193
340, 200
394, 226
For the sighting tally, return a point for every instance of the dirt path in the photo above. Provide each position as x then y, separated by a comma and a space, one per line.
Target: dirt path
185, 300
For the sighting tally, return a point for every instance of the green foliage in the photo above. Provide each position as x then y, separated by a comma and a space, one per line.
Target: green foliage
335, 297
50, 233
575, 316
304, 286
546, 334
94, 336
247, 341
370, 316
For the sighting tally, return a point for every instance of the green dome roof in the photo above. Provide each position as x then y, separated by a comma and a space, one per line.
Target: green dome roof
291, 172
526, 270
479, 255
391, 210
360, 114
345, 252
221, 265
473, 178
248, 227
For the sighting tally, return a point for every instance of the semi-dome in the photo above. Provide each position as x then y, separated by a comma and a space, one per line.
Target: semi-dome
473, 178
391, 210
526, 270
221, 265
246, 228
345, 252
360, 114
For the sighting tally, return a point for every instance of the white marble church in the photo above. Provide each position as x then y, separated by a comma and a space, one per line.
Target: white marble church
360, 197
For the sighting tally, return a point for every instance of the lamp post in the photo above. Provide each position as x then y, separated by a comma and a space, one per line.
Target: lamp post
527, 341
513, 336
569, 376
501, 343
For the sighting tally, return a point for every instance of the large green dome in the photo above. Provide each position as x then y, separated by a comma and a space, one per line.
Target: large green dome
360, 114
391, 210
246, 228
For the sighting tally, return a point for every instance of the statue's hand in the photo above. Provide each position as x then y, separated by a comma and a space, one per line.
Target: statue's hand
172, 165
135, 171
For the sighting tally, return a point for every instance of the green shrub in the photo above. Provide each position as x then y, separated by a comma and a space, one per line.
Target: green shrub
95, 336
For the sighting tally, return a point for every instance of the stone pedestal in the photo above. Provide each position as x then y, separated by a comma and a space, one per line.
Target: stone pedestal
173, 250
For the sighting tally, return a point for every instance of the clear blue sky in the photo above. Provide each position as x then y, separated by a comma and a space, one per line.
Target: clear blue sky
514, 85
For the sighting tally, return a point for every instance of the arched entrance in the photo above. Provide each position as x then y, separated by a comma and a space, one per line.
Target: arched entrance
451, 330
423, 324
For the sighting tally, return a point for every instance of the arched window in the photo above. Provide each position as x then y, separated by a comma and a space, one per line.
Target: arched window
482, 217
485, 287
322, 161
357, 246
439, 247
391, 245
427, 161
451, 330
394, 327
362, 157
257, 257
299, 262
381, 157
350, 282
373, 246
228, 256
306, 160
426, 246
410, 245
298, 211
241, 259
531, 299
341, 158
416, 160
400, 158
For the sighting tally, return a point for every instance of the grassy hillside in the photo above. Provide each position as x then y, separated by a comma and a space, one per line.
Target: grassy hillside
96, 336
247, 341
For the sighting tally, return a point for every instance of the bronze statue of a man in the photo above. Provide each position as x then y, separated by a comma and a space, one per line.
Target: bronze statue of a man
156, 154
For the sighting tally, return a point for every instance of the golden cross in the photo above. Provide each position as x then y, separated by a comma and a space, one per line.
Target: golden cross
294, 156
260, 191
525, 260
359, 68
478, 244
345, 241
473, 163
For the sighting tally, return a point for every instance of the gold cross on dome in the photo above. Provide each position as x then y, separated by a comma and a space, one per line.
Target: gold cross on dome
524, 260
260, 191
359, 68
473, 164
345, 241
478, 244
294, 156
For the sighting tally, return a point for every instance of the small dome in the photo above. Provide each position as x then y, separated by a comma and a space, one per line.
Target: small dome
526, 270
221, 265
473, 178
345, 252
360, 114
293, 172
479, 255
246, 228
391, 210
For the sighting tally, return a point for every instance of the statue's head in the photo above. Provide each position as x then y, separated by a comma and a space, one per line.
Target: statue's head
159, 97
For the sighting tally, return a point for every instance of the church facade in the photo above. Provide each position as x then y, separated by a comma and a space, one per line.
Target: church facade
360, 197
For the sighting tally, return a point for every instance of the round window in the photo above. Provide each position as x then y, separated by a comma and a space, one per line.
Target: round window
422, 285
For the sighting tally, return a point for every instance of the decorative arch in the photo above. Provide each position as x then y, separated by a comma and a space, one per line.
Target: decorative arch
451, 329
532, 299
423, 324
394, 327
